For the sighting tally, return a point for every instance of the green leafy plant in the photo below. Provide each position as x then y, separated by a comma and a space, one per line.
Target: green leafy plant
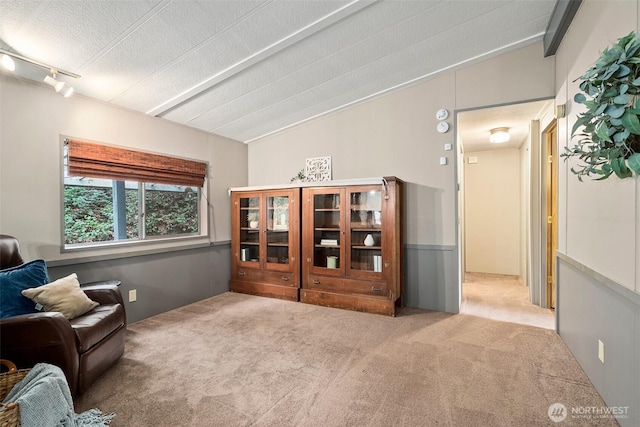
300, 177
608, 131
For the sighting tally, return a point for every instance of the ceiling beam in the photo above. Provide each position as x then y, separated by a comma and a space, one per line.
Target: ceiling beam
261, 55
559, 23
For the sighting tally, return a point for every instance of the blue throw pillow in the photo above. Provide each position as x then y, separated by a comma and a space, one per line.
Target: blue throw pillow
13, 280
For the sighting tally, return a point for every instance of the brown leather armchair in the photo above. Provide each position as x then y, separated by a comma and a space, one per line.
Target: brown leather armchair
83, 347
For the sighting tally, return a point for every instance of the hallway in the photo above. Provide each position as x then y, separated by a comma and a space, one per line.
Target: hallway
502, 298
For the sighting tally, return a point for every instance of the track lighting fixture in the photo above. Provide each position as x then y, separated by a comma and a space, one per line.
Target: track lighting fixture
51, 81
64, 89
8, 63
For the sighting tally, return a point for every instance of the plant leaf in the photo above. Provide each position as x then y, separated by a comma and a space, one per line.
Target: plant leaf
623, 71
614, 111
631, 123
582, 120
620, 168
621, 99
603, 132
612, 69
634, 162
579, 98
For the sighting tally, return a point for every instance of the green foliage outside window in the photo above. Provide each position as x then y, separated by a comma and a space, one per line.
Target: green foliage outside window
88, 213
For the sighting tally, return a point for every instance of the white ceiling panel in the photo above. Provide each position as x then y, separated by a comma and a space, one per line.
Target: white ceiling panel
245, 69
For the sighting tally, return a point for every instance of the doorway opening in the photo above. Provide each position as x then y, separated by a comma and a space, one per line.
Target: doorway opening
502, 226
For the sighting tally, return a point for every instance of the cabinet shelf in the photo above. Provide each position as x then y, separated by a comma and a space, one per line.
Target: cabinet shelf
280, 245
366, 247
368, 230
250, 243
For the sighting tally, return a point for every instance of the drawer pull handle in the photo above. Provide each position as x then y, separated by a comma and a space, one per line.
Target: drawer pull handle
285, 278
242, 273
376, 289
316, 282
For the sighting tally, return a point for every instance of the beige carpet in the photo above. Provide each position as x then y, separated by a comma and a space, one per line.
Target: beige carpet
240, 360
503, 298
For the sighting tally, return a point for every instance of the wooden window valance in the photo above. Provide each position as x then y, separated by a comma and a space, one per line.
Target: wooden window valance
103, 161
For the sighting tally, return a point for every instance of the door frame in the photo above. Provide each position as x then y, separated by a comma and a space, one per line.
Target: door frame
550, 138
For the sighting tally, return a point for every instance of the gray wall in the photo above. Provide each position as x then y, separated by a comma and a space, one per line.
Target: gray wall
594, 308
162, 281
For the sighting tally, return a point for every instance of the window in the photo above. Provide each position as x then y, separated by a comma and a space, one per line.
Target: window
100, 206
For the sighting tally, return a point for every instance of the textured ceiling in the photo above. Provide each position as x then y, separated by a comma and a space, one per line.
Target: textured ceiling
246, 69
474, 126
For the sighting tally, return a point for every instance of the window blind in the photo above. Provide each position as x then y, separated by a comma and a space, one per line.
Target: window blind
103, 161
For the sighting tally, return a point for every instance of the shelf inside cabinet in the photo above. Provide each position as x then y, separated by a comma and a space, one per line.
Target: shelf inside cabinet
366, 247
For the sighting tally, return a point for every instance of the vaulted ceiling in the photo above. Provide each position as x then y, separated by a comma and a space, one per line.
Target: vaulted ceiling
247, 69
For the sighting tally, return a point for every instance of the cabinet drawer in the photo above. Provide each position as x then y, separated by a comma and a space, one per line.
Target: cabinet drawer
366, 287
347, 286
283, 279
248, 274
324, 282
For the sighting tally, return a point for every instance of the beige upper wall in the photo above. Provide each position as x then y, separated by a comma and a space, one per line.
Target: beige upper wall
492, 212
33, 119
598, 220
395, 134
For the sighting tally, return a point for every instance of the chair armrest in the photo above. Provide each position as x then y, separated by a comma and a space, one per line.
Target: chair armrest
45, 337
106, 292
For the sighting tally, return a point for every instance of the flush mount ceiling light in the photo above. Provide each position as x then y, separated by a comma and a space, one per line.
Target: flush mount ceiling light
499, 135
60, 87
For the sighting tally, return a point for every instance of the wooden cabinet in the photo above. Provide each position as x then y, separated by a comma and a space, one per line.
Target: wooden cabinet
352, 240
265, 243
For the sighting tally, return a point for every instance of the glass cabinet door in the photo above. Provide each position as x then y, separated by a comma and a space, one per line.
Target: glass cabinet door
327, 227
277, 229
365, 230
249, 229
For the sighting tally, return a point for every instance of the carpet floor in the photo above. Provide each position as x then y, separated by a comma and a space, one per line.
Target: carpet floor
241, 360
503, 298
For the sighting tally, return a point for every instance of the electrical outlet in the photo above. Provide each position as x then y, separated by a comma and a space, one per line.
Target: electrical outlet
133, 295
601, 351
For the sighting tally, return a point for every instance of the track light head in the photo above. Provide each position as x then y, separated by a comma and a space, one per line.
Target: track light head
60, 87
8, 63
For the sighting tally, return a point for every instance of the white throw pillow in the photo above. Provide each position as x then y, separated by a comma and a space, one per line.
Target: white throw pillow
64, 295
